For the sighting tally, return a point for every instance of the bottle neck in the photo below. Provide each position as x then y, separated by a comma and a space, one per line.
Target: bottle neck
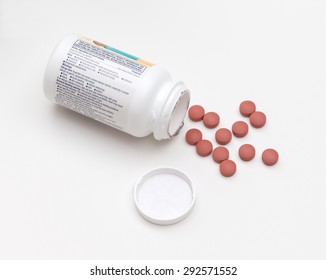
171, 117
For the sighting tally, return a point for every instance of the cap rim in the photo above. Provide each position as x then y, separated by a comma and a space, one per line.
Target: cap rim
158, 171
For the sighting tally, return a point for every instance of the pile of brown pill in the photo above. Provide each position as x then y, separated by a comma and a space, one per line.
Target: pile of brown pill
223, 136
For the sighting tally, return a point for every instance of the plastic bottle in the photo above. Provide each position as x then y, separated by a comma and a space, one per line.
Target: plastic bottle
115, 88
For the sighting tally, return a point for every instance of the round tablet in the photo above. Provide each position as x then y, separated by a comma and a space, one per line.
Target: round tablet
228, 168
247, 108
211, 119
247, 152
204, 148
223, 136
270, 157
193, 136
220, 154
196, 113
240, 129
258, 119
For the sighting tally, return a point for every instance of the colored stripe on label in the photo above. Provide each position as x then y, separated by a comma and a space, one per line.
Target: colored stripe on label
135, 58
121, 52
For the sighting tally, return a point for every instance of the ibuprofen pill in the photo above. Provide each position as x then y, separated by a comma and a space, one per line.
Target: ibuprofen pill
211, 119
204, 148
270, 157
228, 168
247, 108
196, 113
247, 152
223, 136
240, 129
193, 136
258, 119
220, 154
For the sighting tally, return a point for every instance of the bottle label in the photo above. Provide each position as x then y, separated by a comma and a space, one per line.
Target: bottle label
98, 81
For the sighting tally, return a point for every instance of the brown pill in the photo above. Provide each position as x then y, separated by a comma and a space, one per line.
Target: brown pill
211, 119
220, 154
258, 119
196, 113
240, 129
223, 136
247, 152
247, 108
193, 136
204, 148
270, 157
228, 168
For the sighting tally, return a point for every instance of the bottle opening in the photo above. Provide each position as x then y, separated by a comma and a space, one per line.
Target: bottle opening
178, 114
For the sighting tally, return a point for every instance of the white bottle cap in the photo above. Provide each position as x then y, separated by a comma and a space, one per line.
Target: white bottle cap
164, 196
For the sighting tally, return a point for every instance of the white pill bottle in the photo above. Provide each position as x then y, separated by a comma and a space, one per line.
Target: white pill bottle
115, 88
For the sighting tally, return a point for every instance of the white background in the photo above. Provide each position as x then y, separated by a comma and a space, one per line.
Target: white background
66, 181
